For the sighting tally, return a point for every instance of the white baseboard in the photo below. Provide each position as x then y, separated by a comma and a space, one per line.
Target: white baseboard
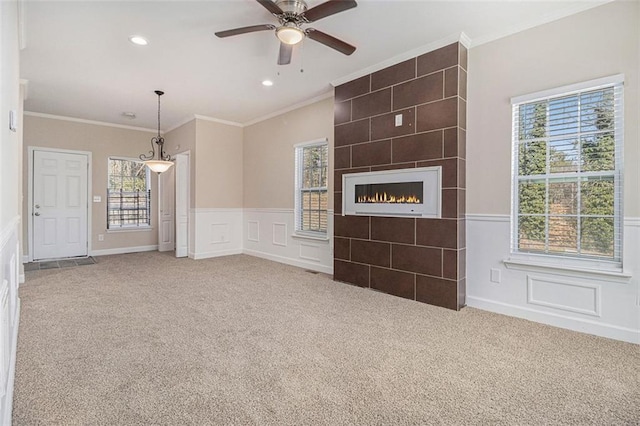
557, 320
7, 409
210, 254
122, 250
290, 261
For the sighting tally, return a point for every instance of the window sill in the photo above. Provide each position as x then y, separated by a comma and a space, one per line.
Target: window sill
560, 269
132, 229
320, 238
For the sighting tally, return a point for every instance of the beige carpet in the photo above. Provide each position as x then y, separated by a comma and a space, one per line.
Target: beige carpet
150, 339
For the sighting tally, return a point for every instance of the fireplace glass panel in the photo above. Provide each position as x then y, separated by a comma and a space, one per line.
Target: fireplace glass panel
389, 193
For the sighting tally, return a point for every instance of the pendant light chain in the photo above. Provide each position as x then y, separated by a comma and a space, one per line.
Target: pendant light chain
158, 114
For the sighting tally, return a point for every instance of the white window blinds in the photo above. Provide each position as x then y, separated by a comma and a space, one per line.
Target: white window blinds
567, 168
312, 198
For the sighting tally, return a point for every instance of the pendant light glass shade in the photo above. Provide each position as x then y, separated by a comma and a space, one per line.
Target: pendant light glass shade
163, 163
158, 166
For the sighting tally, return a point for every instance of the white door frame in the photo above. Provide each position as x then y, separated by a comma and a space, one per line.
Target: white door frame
167, 186
186, 188
29, 212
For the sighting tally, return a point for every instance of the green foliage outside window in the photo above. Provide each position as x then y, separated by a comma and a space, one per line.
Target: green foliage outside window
566, 175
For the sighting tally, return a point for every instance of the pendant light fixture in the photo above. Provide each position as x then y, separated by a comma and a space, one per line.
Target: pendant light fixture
163, 163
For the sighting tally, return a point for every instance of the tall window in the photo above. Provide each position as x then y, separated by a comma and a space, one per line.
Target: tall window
128, 194
567, 158
311, 187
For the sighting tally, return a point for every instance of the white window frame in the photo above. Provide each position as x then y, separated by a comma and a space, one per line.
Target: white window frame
299, 149
129, 227
561, 261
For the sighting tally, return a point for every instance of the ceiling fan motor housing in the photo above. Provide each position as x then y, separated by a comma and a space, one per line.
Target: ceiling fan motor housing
292, 8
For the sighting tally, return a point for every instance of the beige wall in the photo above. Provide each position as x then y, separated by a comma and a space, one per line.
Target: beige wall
183, 139
269, 154
599, 42
218, 163
102, 142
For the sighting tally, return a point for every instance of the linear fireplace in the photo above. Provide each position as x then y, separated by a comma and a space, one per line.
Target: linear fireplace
406, 192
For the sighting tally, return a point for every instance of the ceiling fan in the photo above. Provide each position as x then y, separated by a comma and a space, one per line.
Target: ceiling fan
292, 14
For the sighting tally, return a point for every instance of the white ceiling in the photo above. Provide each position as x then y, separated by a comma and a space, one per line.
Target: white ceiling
79, 63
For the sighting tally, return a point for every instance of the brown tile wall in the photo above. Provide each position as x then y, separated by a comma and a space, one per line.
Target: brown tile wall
414, 258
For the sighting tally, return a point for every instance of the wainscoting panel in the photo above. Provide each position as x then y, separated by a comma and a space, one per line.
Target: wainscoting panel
217, 232
310, 252
564, 295
220, 233
280, 234
9, 313
271, 237
594, 303
253, 231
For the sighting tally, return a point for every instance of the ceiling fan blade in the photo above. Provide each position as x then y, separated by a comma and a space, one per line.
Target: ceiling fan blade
284, 57
328, 8
244, 30
330, 41
271, 7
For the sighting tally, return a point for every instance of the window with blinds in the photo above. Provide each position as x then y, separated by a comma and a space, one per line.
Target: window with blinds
311, 200
567, 163
128, 194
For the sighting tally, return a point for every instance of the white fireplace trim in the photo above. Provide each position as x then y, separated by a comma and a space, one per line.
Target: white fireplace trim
431, 178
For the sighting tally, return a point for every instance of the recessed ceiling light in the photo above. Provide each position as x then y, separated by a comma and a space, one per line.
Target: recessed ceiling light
139, 40
267, 83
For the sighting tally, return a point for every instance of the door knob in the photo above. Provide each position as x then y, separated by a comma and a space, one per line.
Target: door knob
37, 214
37, 206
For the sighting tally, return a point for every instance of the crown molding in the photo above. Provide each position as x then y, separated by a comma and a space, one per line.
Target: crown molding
180, 123
290, 108
204, 118
217, 120
83, 121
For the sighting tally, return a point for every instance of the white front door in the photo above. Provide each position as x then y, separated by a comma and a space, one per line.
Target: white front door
59, 204
182, 205
166, 189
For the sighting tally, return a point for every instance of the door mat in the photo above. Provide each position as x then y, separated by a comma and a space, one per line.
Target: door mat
62, 263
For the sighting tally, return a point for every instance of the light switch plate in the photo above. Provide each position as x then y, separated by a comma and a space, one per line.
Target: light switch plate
13, 120
495, 275
398, 120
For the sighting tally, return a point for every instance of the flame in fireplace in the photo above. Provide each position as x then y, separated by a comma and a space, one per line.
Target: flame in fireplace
388, 198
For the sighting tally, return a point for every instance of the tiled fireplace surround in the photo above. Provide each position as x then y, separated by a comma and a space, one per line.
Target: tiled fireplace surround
415, 258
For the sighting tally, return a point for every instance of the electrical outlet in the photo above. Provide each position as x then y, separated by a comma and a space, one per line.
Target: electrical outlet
495, 275
100, 237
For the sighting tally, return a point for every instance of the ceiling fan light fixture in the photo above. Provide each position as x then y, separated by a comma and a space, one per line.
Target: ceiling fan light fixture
289, 33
